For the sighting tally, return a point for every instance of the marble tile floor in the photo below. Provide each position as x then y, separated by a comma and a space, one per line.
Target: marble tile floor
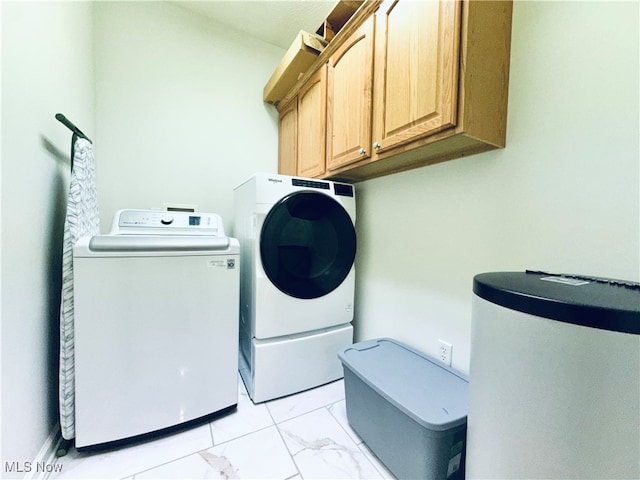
302, 436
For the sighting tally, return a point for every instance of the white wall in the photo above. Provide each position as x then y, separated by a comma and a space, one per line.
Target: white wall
174, 106
180, 116
563, 196
47, 67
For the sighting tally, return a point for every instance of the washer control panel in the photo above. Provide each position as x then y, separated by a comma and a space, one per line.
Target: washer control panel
150, 222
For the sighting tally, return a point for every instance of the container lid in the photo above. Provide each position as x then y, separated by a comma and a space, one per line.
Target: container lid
607, 304
432, 394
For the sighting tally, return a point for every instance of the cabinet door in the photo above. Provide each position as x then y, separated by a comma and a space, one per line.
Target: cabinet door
416, 73
349, 99
312, 114
288, 139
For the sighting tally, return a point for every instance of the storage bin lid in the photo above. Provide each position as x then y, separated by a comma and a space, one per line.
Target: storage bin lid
607, 304
432, 394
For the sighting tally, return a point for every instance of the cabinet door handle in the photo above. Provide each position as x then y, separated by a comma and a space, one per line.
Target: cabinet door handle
376, 146
362, 151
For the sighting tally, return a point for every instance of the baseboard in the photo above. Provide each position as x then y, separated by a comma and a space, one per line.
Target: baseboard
44, 463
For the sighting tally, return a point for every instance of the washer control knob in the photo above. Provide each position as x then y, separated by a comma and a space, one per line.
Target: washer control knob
166, 220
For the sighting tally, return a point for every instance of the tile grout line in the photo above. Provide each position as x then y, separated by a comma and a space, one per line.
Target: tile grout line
134, 475
162, 464
359, 443
322, 407
213, 444
289, 452
327, 407
341, 426
275, 424
301, 414
375, 467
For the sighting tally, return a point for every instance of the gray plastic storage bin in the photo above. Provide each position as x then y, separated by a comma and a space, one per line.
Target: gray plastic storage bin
410, 410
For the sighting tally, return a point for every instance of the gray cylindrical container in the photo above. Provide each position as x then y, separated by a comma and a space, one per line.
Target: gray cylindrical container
555, 377
409, 409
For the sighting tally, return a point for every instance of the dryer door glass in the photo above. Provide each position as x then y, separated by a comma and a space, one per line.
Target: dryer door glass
307, 244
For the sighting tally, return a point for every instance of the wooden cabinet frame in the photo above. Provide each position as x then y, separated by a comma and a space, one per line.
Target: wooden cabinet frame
312, 125
475, 120
288, 138
427, 103
350, 98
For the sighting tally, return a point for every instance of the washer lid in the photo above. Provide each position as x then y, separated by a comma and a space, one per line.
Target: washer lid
592, 302
157, 243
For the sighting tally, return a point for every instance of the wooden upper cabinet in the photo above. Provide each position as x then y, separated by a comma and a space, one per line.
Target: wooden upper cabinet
288, 139
349, 99
416, 76
405, 84
312, 125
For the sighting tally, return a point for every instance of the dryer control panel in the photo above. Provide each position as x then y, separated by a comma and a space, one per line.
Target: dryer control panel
150, 222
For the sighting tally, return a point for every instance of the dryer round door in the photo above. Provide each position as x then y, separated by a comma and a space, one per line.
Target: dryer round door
307, 244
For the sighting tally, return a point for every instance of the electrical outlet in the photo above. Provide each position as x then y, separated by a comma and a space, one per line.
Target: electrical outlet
445, 350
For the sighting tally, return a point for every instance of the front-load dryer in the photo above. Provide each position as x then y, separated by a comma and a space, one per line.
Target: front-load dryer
298, 245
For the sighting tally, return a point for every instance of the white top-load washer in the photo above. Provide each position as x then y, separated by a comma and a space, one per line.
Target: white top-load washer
156, 324
297, 281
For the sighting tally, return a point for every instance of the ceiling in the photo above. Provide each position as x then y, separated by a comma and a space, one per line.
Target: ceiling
274, 21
